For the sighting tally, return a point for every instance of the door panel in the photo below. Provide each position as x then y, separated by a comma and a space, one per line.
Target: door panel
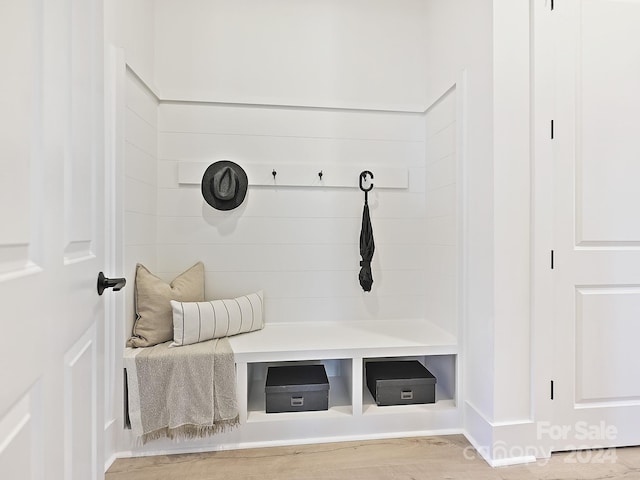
80, 171
80, 427
607, 329
607, 147
596, 226
20, 445
19, 48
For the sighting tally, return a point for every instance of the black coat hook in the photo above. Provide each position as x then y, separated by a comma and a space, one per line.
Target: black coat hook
320, 174
274, 173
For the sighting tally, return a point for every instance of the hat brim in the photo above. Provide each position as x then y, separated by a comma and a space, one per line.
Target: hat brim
207, 184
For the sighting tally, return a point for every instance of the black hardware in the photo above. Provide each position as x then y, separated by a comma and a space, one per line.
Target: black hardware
552, 133
552, 395
552, 260
363, 177
115, 283
320, 174
274, 173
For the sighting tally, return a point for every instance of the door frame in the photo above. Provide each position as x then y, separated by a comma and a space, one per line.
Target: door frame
115, 70
542, 279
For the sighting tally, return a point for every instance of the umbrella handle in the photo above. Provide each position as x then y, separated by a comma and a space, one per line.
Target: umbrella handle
363, 176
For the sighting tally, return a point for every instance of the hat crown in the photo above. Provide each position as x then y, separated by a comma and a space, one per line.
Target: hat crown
225, 183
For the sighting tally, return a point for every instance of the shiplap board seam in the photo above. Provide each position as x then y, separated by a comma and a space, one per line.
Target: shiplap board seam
440, 129
143, 119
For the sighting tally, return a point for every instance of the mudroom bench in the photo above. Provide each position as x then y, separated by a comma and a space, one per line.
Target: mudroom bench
344, 349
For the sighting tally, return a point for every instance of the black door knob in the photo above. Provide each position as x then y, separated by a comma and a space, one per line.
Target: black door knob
115, 283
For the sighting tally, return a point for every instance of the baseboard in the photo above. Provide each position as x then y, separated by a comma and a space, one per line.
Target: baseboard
110, 448
109, 461
285, 443
501, 444
498, 444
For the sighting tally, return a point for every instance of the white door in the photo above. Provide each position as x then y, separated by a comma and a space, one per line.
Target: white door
596, 150
51, 239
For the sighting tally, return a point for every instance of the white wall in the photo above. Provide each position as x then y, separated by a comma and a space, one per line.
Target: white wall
458, 49
487, 44
134, 30
140, 183
442, 212
332, 53
512, 210
298, 244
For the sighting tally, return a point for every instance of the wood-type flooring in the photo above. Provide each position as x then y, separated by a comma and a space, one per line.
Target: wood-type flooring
440, 457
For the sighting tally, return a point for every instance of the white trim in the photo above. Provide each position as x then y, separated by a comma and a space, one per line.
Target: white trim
285, 443
179, 96
147, 85
109, 461
477, 428
115, 73
461, 87
206, 97
542, 330
502, 443
505, 462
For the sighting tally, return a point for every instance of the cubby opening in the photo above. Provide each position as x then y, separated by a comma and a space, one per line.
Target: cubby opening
339, 372
443, 367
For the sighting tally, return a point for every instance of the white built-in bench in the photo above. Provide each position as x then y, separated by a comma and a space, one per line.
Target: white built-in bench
343, 348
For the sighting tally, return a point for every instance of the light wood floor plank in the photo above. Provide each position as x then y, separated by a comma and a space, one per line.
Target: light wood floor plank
443, 457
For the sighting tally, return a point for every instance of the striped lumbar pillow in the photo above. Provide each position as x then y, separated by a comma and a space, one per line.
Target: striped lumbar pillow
195, 322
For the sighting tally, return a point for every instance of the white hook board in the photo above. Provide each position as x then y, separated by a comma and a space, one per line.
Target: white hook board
190, 172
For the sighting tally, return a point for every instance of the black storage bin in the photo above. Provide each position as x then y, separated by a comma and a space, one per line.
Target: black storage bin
296, 388
400, 382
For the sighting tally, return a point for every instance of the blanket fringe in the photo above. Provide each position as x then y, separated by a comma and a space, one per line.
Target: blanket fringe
188, 432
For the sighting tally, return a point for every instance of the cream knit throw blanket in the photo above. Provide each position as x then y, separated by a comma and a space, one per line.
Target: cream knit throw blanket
181, 392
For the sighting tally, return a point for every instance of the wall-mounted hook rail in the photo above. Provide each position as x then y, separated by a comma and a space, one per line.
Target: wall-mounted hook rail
302, 174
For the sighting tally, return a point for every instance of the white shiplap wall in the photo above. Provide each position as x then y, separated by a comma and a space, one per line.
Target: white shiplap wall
140, 183
300, 245
442, 212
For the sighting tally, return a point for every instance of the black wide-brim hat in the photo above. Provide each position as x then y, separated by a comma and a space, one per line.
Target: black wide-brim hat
224, 185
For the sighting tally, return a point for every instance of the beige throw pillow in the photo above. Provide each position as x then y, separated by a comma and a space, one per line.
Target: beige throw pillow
154, 318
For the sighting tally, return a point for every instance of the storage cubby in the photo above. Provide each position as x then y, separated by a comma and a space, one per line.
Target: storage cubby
344, 349
443, 367
340, 390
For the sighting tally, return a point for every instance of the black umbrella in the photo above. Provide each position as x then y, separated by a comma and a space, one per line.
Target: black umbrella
367, 245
